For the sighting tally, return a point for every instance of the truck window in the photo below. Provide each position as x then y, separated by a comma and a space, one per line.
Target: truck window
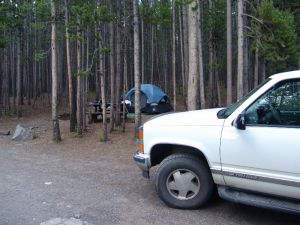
279, 106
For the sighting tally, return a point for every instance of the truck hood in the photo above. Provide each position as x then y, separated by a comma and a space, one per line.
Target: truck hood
206, 117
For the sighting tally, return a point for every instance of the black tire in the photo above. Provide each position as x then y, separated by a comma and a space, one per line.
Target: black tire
184, 182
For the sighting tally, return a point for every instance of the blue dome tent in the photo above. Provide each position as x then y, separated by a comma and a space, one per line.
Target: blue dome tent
153, 100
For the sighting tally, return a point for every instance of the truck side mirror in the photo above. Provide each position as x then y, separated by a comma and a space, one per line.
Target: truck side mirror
239, 122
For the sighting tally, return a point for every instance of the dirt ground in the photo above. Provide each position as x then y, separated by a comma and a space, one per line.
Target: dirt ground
94, 181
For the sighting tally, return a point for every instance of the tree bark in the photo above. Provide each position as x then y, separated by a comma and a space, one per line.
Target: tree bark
185, 33
182, 59
137, 85
200, 58
85, 78
246, 63
13, 73
112, 71
211, 77
142, 51
79, 86
55, 121
263, 69
174, 54
69, 71
118, 68
19, 79
192, 59
256, 62
229, 53
152, 55
103, 97
240, 66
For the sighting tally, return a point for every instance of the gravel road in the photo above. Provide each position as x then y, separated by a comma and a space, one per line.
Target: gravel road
97, 183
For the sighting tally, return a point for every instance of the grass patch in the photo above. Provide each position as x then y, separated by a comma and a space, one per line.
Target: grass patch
77, 134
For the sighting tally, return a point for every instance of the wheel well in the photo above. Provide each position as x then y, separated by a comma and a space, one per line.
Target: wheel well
161, 151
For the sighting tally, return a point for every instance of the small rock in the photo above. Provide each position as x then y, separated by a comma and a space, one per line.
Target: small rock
64, 221
54, 221
77, 216
23, 134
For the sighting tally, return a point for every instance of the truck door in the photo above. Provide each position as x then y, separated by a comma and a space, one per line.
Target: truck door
265, 156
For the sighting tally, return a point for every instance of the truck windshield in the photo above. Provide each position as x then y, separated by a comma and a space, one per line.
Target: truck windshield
225, 112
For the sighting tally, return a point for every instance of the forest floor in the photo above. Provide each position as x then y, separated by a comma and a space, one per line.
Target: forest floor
93, 181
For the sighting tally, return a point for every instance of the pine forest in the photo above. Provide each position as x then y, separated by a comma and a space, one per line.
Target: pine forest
202, 53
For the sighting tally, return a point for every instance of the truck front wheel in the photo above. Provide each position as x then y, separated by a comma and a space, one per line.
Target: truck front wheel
183, 181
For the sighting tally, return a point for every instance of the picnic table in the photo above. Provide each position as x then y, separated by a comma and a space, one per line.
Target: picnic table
95, 110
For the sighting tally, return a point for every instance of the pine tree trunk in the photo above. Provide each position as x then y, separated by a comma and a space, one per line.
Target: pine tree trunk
142, 51
85, 79
13, 73
70, 79
193, 64
164, 60
79, 86
256, 62
18, 80
246, 66
112, 71
182, 59
200, 58
263, 69
4, 94
97, 78
174, 54
246, 56
118, 69
210, 60
185, 36
152, 55
240, 66
137, 87
55, 121
124, 90
229, 53
103, 98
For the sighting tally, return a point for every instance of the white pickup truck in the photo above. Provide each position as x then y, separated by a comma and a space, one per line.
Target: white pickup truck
249, 151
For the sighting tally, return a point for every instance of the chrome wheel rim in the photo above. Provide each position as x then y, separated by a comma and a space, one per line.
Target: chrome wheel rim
183, 184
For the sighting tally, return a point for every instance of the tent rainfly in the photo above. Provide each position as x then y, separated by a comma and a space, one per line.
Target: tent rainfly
153, 100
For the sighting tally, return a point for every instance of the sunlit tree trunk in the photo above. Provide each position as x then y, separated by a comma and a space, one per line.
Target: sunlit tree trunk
103, 97
193, 64
69, 71
152, 54
79, 85
137, 87
200, 57
112, 71
211, 79
142, 51
55, 121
